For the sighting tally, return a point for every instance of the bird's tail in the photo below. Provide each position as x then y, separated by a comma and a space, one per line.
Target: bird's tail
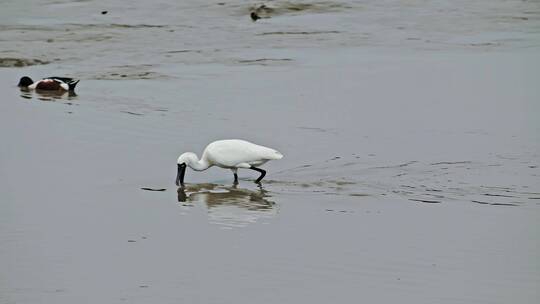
72, 84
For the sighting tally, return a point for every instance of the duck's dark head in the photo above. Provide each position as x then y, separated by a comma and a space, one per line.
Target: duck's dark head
25, 82
254, 16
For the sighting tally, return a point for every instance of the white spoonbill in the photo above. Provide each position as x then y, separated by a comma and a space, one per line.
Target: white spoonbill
228, 154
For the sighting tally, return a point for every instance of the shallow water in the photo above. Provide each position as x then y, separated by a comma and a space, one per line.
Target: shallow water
409, 129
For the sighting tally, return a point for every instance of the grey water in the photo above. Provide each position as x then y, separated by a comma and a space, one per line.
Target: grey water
410, 132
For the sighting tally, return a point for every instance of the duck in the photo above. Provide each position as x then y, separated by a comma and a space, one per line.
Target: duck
49, 84
230, 154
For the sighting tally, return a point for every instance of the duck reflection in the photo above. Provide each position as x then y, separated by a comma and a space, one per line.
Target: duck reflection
46, 95
229, 206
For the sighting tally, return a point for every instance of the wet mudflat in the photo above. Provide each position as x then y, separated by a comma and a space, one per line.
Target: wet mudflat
410, 170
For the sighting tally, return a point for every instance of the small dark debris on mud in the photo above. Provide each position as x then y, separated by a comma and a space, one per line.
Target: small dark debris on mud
153, 189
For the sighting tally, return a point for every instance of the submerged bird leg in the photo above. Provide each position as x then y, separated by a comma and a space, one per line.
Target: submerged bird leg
235, 176
182, 197
263, 173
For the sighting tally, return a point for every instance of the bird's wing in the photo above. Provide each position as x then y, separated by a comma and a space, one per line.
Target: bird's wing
66, 83
62, 79
234, 152
265, 153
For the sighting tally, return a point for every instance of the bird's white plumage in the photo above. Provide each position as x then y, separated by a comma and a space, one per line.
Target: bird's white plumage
236, 153
64, 86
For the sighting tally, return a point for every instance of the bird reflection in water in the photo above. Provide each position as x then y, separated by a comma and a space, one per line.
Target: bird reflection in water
229, 206
46, 95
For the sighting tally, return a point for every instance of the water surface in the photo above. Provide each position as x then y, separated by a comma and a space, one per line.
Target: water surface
409, 129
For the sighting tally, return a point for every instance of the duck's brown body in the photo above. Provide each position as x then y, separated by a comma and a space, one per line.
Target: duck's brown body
49, 85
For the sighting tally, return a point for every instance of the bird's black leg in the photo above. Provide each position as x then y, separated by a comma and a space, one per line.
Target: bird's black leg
235, 178
263, 173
